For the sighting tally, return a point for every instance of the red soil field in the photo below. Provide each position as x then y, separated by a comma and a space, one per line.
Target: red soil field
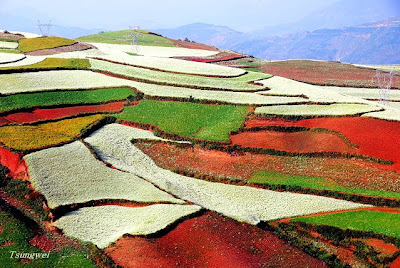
192, 45
376, 138
396, 263
210, 241
241, 166
14, 162
324, 73
42, 242
382, 246
57, 50
58, 113
301, 142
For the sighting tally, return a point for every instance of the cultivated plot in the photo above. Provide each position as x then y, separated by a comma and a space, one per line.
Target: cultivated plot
106, 224
74, 176
239, 202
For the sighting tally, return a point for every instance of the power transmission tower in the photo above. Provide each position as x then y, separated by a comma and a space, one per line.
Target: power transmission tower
45, 28
384, 81
133, 37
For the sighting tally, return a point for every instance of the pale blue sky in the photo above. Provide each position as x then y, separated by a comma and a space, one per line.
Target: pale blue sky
243, 15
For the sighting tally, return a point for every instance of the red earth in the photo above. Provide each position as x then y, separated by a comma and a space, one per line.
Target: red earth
192, 45
382, 246
58, 113
375, 137
210, 241
43, 243
324, 73
241, 166
14, 162
396, 263
299, 142
63, 49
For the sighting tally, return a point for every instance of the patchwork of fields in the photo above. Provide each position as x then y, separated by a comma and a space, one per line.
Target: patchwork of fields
171, 157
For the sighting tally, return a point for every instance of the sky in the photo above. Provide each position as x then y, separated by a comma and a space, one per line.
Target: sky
242, 15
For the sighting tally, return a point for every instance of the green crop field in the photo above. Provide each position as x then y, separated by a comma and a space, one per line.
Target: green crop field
19, 101
122, 37
364, 220
13, 51
33, 44
272, 178
54, 63
209, 122
15, 236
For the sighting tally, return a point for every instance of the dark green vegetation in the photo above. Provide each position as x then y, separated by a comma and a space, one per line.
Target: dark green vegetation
15, 236
122, 37
271, 178
363, 220
209, 122
8, 40
30, 100
357, 244
33, 44
54, 63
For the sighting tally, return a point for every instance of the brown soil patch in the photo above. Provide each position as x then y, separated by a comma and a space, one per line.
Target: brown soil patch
222, 165
210, 241
298, 142
324, 73
57, 50
11, 36
192, 45
381, 246
42, 242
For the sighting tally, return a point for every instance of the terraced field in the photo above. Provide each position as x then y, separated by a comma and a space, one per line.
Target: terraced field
146, 38
162, 159
324, 73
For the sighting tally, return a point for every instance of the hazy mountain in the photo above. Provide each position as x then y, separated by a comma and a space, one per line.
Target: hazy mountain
369, 43
345, 13
210, 34
19, 23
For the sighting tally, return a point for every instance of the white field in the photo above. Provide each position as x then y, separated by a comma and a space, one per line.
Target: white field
386, 68
339, 109
153, 51
176, 65
28, 60
76, 79
10, 57
284, 86
83, 54
390, 113
8, 45
51, 80
104, 225
232, 84
213, 95
242, 203
74, 176
367, 93
127, 132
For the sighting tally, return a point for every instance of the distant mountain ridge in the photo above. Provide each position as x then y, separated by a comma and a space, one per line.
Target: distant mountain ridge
369, 43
